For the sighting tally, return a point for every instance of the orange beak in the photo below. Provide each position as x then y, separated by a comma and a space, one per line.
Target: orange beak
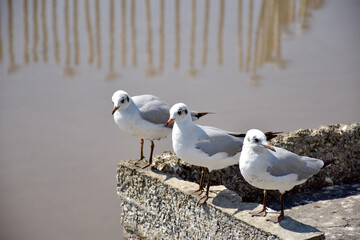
169, 121
268, 146
114, 110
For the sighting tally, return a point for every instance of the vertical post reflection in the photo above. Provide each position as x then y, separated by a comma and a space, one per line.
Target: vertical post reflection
133, 33
13, 67
111, 75
36, 31
55, 33
249, 32
67, 33
177, 33
258, 42
192, 71
44, 27
76, 32
26, 32
220, 34
98, 33
89, 32
291, 11
123, 32
206, 32
68, 71
303, 15
277, 38
161, 32
150, 71
239, 43
1, 43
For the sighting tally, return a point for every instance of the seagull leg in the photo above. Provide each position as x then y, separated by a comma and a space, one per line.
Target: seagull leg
141, 152
281, 216
201, 186
151, 154
262, 212
206, 197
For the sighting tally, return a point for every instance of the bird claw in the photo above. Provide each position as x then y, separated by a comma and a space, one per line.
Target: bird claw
202, 203
138, 161
261, 213
147, 165
276, 219
200, 190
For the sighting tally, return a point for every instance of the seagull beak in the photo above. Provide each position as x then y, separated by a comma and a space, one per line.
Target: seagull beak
268, 146
114, 110
169, 121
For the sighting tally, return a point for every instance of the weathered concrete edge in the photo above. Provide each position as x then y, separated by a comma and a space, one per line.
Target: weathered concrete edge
223, 201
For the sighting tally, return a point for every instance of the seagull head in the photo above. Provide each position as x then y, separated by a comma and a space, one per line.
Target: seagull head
121, 100
178, 113
256, 140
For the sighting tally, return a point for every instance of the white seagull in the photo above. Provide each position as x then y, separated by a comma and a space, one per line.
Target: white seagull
203, 146
144, 117
272, 168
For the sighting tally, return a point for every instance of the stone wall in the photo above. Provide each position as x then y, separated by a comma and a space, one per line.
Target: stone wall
159, 203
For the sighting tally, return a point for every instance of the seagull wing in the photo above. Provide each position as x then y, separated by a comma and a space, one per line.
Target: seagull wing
284, 162
218, 141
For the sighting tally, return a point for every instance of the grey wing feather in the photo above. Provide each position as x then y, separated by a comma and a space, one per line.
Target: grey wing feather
285, 162
217, 141
152, 108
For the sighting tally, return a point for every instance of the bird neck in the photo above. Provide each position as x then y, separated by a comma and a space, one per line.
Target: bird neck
131, 110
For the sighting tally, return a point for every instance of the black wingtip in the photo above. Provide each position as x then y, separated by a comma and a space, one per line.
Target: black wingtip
328, 162
271, 135
200, 114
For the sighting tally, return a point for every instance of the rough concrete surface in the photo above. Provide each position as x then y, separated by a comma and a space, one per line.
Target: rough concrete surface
158, 202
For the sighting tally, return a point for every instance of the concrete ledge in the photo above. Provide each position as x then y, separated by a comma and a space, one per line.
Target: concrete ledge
160, 206
158, 203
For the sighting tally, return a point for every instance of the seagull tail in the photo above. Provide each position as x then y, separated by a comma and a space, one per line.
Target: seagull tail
328, 162
200, 114
271, 135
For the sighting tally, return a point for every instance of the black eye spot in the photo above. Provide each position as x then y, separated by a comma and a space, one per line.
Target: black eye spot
122, 100
256, 140
179, 112
185, 111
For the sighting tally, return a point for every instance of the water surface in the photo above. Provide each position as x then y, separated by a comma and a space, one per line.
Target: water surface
273, 65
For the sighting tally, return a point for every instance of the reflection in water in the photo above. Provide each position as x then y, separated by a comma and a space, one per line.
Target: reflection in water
36, 30
89, 32
98, 34
220, 35
76, 32
123, 32
192, 70
111, 75
150, 69
206, 32
13, 66
44, 27
1, 43
133, 34
249, 41
56, 37
177, 33
68, 71
263, 40
26, 32
162, 36
240, 53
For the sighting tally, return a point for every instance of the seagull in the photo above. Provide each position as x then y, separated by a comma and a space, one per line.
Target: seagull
272, 168
204, 146
145, 117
